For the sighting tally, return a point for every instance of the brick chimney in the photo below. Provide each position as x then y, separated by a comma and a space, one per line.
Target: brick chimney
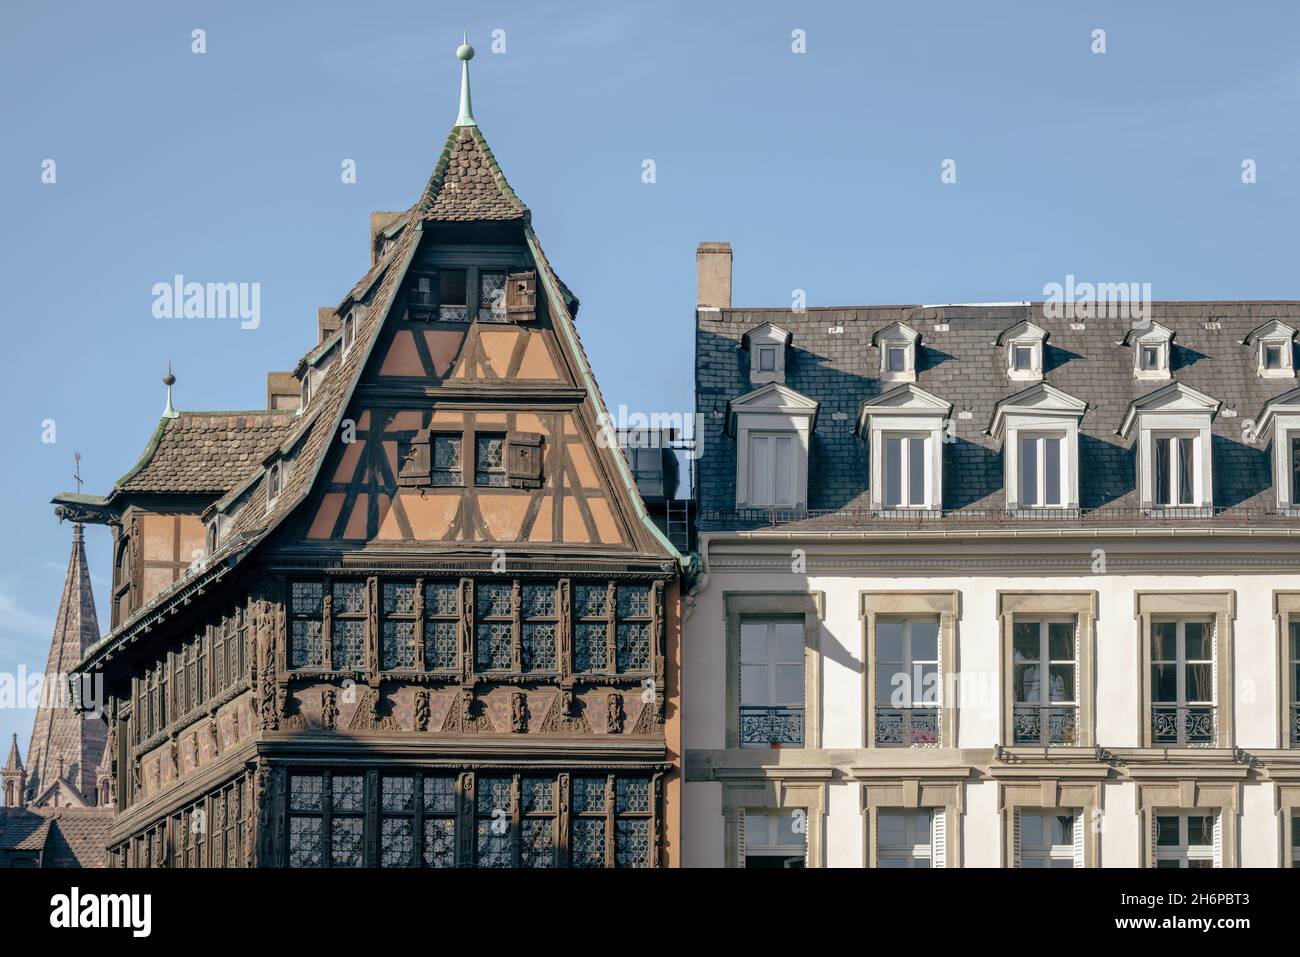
713, 275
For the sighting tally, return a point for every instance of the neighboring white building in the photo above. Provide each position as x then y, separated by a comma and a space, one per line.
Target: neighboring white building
981, 588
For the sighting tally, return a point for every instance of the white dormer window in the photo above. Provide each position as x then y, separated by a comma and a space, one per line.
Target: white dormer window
1152, 346
1281, 416
772, 427
898, 345
1024, 345
1274, 348
1039, 432
905, 427
767, 347
1172, 429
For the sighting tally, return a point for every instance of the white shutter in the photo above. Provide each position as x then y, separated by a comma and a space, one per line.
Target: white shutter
1078, 837
1216, 723
760, 470
1218, 838
783, 468
740, 837
938, 837
1154, 832
1015, 837
807, 838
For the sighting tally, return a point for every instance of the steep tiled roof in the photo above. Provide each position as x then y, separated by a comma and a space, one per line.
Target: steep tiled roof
467, 185
206, 451
64, 837
831, 359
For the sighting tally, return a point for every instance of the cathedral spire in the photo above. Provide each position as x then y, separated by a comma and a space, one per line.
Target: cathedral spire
66, 743
466, 53
15, 762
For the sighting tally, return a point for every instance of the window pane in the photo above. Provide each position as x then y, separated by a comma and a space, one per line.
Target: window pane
1164, 682
1166, 831
451, 295
1200, 684
789, 642
1200, 830
760, 470
1029, 471
927, 690
753, 642
1027, 687
1061, 682
891, 830
889, 641
1031, 830
1161, 448
767, 360
893, 472
916, 471
925, 641
1052, 471
891, 686
1063, 829
1165, 640
1200, 644
1185, 462
789, 684
753, 685
897, 359
1060, 641
1025, 641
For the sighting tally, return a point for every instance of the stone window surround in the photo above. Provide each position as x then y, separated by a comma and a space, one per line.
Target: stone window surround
894, 790
811, 605
1185, 795
1286, 426
1037, 604
1286, 795
1046, 795
1221, 606
1286, 609
908, 604
897, 335
750, 794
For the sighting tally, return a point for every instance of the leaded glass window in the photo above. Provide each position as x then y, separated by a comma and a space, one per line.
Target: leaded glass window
439, 825
399, 628
306, 820
448, 465
492, 296
489, 459
632, 652
493, 825
591, 628
348, 625
494, 627
397, 823
306, 603
537, 824
347, 828
540, 628
589, 842
441, 626
632, 805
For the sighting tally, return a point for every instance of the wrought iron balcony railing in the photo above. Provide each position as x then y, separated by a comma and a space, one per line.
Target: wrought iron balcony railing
1045, 725
908, 727
1183, 726
1102, 517
771, 726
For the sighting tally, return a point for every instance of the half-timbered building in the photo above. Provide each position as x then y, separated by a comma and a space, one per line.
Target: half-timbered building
414, 613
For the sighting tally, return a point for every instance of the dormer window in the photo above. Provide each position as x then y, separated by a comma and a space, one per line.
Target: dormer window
905, 428
1281, 417
273, 483
1172, 429
898, 345
1152, 347
1274, 348
772, 427
210, 537
767, 348
1024, 343
306, 390
1039, 432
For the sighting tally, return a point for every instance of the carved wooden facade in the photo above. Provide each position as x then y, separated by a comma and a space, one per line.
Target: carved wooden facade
434, 626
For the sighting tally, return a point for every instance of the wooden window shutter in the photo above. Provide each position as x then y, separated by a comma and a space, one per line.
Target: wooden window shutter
740, 837
1151, 837
939, 837
524, 459
521, 296
413, 467
1015, 837
1079, 838
1218, 838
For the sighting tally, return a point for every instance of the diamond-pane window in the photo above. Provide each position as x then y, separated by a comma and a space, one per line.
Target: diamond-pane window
633, 651
632, 843
397, 844
448, 467
489, 459
632, 794
346, 836
590, 646
589, 842
439, 842
398, 794
588, 794
537, 843
494, 600
348, 643
305, 792
440, 794
539, 646
349, 792
305, 644
591, 601
493, 646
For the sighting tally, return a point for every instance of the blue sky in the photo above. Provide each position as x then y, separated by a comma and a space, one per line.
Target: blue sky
822, 169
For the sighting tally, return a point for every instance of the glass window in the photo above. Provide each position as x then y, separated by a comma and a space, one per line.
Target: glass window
452, 304
447, 466
1022, 358
897, 356
397, 649
1042, 473
905, 477
1044, 682
492, 296
1185, 840
766, 359
1182, 683
907, 682
306, 607
348, 625
772, 469
776, 839
441, 626
1175, 470
1149, 357
904, 839
1047, 838
489, 459
1272, 356
771, 683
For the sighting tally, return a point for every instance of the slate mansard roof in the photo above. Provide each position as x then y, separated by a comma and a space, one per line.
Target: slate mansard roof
831, 359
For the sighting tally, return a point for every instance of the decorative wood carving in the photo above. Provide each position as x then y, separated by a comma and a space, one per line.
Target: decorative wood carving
518, 713
614, 713
296, 721
560, 719
649, 720
466, 715
194, 748
421, 709
467, 627
367, 716
215, 733
329, 709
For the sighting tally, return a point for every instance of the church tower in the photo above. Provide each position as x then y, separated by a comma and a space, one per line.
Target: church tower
66, 746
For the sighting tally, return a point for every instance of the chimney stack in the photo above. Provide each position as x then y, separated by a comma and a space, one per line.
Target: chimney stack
713, 275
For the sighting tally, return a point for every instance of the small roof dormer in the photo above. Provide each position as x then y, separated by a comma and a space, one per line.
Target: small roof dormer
1174, 446
1025, 344
766, 345
898, 344
1152, 346
1274, 345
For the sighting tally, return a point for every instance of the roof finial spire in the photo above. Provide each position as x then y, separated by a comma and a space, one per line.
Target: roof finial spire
169, 380
466, 53
76, 474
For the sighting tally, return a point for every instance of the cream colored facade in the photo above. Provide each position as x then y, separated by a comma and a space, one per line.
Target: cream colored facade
1111, 584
